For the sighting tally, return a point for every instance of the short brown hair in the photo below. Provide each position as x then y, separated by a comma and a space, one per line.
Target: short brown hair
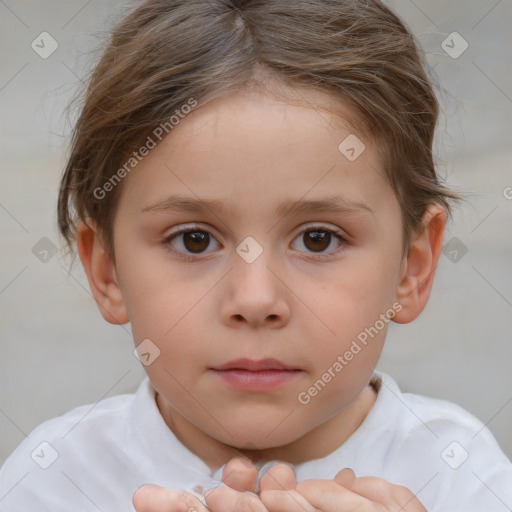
165, 52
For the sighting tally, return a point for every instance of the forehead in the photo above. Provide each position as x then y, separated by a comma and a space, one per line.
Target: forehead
287, 112
248, 148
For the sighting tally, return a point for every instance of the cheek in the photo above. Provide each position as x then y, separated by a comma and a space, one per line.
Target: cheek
351, 306
358, 293
170, 310
155, 293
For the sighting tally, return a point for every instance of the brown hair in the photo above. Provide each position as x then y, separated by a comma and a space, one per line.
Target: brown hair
165, 52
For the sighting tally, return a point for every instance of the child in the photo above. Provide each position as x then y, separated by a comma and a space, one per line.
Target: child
292, 142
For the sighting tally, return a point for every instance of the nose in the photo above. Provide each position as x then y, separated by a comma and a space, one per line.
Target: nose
256, 295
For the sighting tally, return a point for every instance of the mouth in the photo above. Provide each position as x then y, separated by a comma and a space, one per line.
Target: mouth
254, 366
256, 375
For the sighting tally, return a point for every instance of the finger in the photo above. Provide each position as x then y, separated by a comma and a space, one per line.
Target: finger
379, 490
279, 477
345, 478
225, 499
240, 474
286, 501
373, 488
152, 498
328, 495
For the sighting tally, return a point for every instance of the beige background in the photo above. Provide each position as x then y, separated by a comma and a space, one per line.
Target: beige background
57, 352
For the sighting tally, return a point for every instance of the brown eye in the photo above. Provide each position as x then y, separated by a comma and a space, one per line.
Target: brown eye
317, 240
196, 241
190, 242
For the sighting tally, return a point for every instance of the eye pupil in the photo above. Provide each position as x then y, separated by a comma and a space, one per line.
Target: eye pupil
196, 240
320, 239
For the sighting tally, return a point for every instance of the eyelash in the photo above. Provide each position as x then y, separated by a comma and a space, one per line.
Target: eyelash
195, 228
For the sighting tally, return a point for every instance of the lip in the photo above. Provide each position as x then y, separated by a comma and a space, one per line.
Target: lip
256, 376
255, 365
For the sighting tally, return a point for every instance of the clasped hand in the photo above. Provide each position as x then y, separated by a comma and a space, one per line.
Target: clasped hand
280, 492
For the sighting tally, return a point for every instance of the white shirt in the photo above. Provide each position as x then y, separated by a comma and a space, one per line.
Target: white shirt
96, 456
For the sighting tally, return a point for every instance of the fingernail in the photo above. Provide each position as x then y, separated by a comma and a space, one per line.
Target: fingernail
265, 467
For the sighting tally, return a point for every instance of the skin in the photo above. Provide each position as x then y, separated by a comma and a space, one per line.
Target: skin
251, 152
280, 492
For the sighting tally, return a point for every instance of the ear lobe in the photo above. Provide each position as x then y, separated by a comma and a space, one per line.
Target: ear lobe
417, 276
101, 274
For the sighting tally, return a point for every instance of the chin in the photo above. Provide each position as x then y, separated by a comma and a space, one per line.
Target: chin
251, 438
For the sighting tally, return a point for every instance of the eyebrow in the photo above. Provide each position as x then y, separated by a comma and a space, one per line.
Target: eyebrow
330, 204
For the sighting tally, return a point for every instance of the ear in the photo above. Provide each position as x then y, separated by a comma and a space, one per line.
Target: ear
101, 274
418, 268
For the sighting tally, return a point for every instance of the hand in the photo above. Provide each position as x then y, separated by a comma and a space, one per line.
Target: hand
153, 498
280, 492
238, 474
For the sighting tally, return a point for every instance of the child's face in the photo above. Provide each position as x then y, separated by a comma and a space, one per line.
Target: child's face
302, 301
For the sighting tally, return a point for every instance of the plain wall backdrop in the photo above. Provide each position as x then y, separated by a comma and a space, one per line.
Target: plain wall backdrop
57, 352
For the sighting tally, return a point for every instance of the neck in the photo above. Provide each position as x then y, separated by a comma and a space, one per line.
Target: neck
315, 444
